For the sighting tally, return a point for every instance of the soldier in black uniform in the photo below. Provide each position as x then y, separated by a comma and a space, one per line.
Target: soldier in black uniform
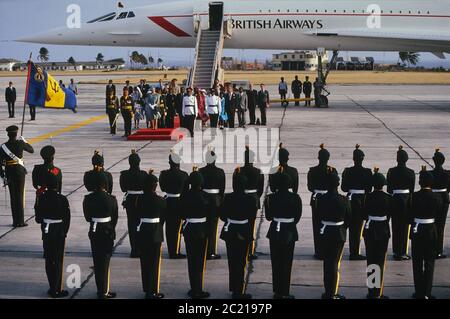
334, 211
171, 108
237, 211
53, 213
151, 212
401, 181
318, 185
11, 154
89, 179
377, 232
126, 108
356, 182
283, 167
307, 89
132, 184
441, 186
174, 182
195, 231
214, 188
296, 88
101, 211
112, 109
255, 187
283, 209
40, 172
424, 236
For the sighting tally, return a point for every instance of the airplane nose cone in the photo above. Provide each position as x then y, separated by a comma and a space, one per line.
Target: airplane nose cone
55, 36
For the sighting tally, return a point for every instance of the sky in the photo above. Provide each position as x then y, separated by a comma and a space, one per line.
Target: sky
24, 17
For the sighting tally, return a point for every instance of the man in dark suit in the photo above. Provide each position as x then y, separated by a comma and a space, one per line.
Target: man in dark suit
10, 97
252, 97
263, 103
230, 105
110, 89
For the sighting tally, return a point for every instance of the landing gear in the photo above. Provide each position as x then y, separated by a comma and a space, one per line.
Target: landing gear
321, 96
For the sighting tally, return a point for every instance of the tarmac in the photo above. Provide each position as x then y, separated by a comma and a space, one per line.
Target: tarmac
379, 118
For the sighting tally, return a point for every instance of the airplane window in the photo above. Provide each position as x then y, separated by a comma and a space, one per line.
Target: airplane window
325, 10
106, 17
306, 10
409, 12
131, 14
122, 15
353, 11
391, 11
345, 11
418, 12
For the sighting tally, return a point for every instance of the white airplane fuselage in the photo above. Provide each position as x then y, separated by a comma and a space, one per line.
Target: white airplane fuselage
395, 25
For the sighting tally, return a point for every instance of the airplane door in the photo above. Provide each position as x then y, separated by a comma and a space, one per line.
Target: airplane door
215, 16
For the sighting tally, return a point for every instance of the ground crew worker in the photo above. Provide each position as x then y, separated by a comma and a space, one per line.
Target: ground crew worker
424, 236
40, 172
126, 108
283, 209
441, 186
98, 168
318, 185
132, 184
356, 182
112, 109
255, 187
296, 88
283, 159
101, 211
195, 232
214, 188
283, 89
189, 111
401, 181
11, 156
151, 212
307, 89
53, 213
173, 183
334, 211
237, 211
377, 233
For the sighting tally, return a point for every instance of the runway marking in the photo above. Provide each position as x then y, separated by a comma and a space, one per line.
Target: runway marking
66, 129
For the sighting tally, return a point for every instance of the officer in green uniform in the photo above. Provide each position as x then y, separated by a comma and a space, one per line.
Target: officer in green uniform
112, 110
377, 232
283, 209
357, 182
150, 210
11, 156
318, 185
283, 167
40, 172
126, 108
132, 184
334, 212
89, 179
214, 188
101, 211
401, 181
173, 182
237, 211
53, 213
195, 231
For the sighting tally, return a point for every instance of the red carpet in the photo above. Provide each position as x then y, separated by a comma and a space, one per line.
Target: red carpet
163, 134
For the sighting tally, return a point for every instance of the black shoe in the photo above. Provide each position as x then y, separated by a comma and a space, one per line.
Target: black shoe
276, 296
337, 296
318, 257
252, 257
401, 258
213, 257
241, 296
325, 296
416, 296
357, 257
198, 295
75, 111
20, 225
154, 296
369, 296
430, 297
109, 295
441, 256
59, 294
178, 256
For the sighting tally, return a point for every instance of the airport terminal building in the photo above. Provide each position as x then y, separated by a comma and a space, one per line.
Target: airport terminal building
296, 61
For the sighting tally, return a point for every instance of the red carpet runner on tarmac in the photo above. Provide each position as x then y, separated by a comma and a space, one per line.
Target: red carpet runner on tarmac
162, 134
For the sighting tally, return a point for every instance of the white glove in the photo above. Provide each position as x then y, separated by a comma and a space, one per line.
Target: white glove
23, 139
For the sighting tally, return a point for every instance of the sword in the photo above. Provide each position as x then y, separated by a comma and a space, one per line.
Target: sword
117, 117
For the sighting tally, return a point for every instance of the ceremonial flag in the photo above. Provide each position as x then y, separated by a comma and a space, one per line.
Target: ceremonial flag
44, 91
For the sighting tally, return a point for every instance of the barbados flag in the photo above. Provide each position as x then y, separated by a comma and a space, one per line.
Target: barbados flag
44, 91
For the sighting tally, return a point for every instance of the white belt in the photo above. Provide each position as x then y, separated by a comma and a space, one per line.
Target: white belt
147, 221
355, 191
251, 191
280, 221
12, 155
96, 221
375, 219
212, 191
442, 190
47, 223
194, 221
235, 222
317, 192
169, 195
420, 221
132, 193
325, 224
400, 191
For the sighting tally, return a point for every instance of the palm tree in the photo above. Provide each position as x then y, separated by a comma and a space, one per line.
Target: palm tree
72, 61
134, 58
142, 59
43, 54
160, 61
151, 60
410, 58
100, 58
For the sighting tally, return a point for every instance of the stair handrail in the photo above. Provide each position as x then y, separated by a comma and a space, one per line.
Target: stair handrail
193, 69
217, 56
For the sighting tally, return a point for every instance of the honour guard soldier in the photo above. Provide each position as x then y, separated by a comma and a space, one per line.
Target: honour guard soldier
151, 211
126, 108
441, 186
377, 232
11, 156
112, 109
356, 182
53, 213
98, 163
318, 185
334, 212
283, 158
173, 182
237, 211
255, 187
214, 188
132, 184
424, 236
283, 209
401, 181
195, 232
101, 211
40, 172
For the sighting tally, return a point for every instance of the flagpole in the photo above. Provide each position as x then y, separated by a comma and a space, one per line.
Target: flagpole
25, 100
